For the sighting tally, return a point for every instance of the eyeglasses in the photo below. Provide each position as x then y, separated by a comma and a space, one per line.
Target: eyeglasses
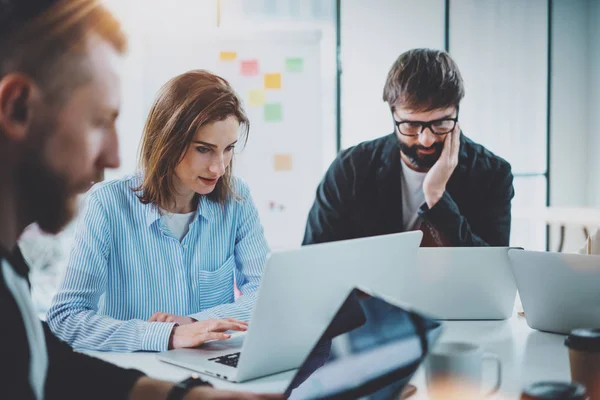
438, 127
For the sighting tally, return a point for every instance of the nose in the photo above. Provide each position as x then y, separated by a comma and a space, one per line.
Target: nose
109, 158
217, 167
427, 138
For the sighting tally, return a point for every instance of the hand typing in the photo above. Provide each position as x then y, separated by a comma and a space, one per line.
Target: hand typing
196, 333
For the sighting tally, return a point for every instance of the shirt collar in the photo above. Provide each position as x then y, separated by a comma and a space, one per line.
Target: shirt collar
152, 213
207, 209
16, 260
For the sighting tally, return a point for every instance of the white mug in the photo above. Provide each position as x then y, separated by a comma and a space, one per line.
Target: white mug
454, 370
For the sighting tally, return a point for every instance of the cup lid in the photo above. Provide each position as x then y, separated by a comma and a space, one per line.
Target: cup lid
584, 340
554, 391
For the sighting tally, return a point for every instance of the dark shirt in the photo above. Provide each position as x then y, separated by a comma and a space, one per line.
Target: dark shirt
361, 196
70, 375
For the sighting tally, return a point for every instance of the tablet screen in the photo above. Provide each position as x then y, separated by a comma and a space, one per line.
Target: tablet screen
370, 350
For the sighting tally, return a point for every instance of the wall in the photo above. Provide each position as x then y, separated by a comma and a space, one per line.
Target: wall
159, 16
594, 103
189, 17
575, 111
569, 122
504, 66
373, 35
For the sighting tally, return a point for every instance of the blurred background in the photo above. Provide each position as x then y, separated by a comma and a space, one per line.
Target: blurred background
311, 75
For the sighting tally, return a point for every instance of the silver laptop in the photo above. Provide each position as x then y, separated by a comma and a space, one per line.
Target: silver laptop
560, 292
300, 292
460, 283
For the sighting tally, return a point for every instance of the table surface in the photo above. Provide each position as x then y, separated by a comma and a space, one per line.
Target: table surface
527, 356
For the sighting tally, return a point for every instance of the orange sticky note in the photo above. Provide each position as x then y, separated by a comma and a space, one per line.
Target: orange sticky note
227, 56
283, 162
273, 81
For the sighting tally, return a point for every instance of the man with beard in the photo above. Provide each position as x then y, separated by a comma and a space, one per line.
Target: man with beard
426, 175
59, 99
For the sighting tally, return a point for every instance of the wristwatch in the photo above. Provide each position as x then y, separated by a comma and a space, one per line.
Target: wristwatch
180, 389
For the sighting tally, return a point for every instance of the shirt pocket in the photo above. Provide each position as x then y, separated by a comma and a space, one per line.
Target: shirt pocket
216, 287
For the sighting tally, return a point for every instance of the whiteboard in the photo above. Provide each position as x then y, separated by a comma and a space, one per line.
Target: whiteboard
277, 75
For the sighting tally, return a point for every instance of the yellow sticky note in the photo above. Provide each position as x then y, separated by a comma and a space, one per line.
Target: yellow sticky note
273, 81
256, 97
227, 56
283, 162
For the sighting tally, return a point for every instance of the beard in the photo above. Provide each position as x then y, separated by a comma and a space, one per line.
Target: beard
45, 195
422, 160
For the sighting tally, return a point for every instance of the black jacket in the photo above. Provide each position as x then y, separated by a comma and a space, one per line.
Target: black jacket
360, 196
70, 375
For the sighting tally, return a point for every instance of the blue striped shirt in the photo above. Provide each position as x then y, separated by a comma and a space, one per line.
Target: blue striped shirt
125, 265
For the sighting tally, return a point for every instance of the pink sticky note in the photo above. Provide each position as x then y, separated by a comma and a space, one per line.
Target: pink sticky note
249, 67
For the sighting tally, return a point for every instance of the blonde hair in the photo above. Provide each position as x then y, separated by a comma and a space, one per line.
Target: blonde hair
51, 47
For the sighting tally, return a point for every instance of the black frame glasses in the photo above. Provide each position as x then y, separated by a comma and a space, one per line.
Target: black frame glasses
425, 125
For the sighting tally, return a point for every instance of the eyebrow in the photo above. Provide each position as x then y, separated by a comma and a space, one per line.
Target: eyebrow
437, 119
210, 144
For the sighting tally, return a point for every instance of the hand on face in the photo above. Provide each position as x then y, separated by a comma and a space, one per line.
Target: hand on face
197, 333
436, 179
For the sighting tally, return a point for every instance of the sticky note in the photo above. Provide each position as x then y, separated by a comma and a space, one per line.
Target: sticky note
273, 112
294, 64
249, 67
273, 81
227, 56
283, 162
256, 97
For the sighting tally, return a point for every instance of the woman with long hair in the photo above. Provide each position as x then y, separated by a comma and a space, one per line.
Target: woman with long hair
157, 254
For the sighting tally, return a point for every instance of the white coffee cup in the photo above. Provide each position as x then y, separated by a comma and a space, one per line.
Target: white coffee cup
454, 370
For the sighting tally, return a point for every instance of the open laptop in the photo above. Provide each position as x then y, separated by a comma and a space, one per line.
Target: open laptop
560, 292
300, 292
370, 350
460, 283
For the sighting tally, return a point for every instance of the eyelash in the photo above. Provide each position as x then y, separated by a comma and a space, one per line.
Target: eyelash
103, 123
205, 150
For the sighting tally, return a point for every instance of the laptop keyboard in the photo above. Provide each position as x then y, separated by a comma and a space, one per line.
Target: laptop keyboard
228, 359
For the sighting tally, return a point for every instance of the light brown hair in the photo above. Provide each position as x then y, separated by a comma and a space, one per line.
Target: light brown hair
51, 47
424, 80
183, 105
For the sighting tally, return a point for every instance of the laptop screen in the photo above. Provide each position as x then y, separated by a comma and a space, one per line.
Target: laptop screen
370, 350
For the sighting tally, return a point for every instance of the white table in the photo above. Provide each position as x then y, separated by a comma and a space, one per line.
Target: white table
527, 356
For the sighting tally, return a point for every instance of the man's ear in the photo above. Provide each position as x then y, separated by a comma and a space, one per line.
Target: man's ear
17, 93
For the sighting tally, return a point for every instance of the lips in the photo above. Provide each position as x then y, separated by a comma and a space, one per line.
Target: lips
427, 151
208, 181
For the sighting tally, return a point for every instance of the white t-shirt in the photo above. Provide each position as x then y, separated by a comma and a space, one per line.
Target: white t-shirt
178, 224
412, 195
